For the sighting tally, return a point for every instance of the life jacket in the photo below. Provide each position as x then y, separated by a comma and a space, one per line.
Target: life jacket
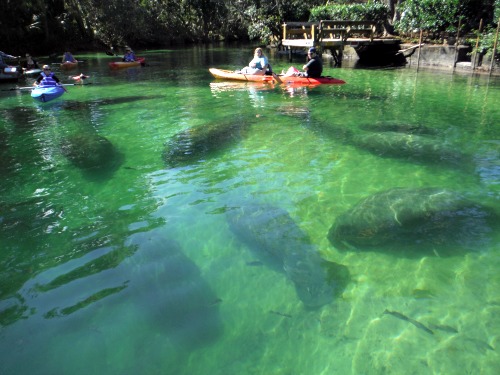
48, 80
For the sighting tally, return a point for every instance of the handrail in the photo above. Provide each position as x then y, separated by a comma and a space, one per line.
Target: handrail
328, 29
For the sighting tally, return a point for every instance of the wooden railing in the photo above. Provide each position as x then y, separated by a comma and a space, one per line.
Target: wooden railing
346, 29
300, 30
328, 30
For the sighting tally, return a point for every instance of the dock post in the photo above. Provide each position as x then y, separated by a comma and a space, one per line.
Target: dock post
494, 47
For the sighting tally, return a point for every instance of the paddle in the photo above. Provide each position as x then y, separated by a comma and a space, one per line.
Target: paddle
32, 87
79, 61
277, 79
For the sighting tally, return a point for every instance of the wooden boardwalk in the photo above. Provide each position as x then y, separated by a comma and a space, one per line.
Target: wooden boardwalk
334, 35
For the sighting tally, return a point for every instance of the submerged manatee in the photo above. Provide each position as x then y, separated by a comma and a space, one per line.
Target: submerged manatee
410, 147
195, 144
430, 219
169, 287
400, 128
91, 153
272, 233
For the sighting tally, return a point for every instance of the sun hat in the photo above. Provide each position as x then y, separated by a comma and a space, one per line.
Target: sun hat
312, 50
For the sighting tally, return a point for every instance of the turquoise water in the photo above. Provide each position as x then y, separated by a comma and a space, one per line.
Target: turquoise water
117, 259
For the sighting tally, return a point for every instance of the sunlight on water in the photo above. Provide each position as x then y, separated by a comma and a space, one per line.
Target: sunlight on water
157, 221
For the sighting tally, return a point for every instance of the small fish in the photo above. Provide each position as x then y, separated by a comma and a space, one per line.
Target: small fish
215, 302
408, 319
280, 314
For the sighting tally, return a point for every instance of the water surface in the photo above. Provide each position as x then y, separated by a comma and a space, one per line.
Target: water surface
117, 260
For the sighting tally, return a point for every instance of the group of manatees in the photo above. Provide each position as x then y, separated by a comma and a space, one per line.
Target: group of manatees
405, 221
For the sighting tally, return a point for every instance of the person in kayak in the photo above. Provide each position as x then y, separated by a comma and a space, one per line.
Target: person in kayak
30, 63
129, 55
4, 56
313, 68
68, 57
46, 78
259, 64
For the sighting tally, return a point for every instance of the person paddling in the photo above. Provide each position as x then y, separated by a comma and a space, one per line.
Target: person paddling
68, 57
313, 68
129, 55
30, 63
46, 78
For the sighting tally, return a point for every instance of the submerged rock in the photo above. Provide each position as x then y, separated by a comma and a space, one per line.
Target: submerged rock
428, 219
275, 237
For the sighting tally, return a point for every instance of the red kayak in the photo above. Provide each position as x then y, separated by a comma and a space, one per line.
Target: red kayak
127, 64
293, 80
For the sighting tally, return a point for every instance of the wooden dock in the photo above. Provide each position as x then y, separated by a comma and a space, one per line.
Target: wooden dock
363, 36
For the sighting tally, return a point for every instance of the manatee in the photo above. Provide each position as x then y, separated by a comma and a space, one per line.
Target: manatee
91, 152
411, 147
198, 143
403, 219
272, 233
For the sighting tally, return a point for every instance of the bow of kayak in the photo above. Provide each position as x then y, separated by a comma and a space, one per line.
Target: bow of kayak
46, 94
127, 64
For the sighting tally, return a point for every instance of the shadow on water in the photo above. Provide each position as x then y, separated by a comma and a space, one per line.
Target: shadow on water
416, 223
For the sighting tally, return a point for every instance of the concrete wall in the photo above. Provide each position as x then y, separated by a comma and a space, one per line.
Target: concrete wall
439, 55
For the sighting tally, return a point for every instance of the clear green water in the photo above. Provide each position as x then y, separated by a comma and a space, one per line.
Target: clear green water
132, 268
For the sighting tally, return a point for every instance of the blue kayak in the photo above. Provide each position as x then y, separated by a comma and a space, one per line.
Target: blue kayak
46, 94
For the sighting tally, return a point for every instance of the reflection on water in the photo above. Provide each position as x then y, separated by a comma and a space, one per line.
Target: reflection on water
118, 248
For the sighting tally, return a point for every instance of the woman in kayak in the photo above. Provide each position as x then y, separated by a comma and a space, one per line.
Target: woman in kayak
46, 78
129, 55
258, 65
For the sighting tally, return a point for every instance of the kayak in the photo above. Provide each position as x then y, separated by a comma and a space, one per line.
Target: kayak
69, 65
293, 80
127, 64
10, 74
48, 93
228, 74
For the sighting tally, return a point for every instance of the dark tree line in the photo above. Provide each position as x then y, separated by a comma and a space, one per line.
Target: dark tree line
45, 26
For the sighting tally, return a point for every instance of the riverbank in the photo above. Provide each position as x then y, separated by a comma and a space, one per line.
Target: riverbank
441, 57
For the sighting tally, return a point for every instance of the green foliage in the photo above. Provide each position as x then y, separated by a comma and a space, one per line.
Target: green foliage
443, 15
372, 11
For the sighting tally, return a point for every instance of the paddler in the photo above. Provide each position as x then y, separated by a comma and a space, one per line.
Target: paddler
46, 78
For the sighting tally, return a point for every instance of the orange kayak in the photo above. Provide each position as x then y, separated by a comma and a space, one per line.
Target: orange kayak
292, 80
127, 64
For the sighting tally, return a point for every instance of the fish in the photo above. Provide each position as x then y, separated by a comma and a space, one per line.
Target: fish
408, 319
280, 314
